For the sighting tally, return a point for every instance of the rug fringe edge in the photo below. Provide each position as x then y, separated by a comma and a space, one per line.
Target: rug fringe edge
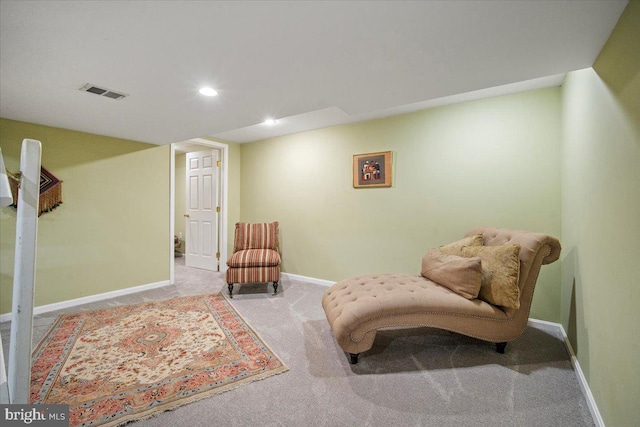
151, 413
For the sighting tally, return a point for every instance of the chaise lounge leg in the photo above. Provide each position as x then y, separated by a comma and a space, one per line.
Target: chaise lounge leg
275, 288
500, 346
353, 358
230, 286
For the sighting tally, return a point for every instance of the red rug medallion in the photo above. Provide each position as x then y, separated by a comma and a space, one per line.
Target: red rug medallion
121, 364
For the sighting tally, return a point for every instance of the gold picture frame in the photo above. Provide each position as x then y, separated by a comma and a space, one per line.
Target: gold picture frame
372, 170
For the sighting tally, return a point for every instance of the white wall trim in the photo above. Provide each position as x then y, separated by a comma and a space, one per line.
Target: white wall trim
582, 380
88, 299
546, 325
308, 279
172, 214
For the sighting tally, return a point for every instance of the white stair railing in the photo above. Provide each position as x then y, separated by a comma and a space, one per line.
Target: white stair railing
5, 200
24, 274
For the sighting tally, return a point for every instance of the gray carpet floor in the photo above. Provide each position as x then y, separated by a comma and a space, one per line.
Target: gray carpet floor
416, 377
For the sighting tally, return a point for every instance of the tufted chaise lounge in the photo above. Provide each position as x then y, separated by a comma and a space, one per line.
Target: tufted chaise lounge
357, 308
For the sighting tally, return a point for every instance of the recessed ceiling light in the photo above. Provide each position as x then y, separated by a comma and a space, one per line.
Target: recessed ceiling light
270, 122
207, 91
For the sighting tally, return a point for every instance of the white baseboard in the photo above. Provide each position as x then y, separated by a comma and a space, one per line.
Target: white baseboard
308, 279
546, 325
582, 380
91, 298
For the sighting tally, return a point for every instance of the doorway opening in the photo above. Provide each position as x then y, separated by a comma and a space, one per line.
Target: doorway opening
215, 235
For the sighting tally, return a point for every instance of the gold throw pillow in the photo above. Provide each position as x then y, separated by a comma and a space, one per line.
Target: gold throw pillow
500, 273
455, 248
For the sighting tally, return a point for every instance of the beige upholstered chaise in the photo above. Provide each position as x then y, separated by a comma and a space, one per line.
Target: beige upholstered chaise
356, 308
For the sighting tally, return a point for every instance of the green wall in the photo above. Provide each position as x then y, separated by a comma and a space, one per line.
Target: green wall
490, 162
601, 221
110, 233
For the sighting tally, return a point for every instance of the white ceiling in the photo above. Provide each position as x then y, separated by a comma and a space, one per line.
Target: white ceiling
307, 64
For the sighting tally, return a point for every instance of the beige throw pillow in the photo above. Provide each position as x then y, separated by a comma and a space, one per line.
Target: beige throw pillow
500, 273
455, 248
462, 275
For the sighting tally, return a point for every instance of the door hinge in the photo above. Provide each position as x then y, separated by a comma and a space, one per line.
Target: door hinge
218, 163
218, 255
218, 209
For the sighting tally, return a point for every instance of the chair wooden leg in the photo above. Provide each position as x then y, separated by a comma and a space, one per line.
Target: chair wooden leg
275, 288
500, 346
353, 358
230, 286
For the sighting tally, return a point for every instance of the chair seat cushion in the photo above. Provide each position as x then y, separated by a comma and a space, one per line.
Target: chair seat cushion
254, 258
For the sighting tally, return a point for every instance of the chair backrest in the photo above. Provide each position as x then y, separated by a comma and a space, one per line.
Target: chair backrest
255, 236
536, 249
532, 246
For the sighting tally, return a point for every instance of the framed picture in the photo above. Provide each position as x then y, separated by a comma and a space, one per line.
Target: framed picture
372, 170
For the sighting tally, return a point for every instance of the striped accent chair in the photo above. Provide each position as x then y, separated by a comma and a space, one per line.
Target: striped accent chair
256, 258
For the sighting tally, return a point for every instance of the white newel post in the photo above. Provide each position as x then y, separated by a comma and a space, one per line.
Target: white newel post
6, 199
24, 274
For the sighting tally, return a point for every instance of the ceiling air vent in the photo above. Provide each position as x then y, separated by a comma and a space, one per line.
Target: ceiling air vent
102, 91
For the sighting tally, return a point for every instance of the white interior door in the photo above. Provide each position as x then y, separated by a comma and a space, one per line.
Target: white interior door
202, 206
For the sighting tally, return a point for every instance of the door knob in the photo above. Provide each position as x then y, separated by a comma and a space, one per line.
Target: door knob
186, 215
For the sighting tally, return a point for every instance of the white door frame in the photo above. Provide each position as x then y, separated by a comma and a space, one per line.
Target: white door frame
224, 175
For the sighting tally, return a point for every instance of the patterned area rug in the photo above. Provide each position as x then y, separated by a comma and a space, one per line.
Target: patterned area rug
121, 364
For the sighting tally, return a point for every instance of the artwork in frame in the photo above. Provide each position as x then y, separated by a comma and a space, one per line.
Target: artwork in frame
372, 170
